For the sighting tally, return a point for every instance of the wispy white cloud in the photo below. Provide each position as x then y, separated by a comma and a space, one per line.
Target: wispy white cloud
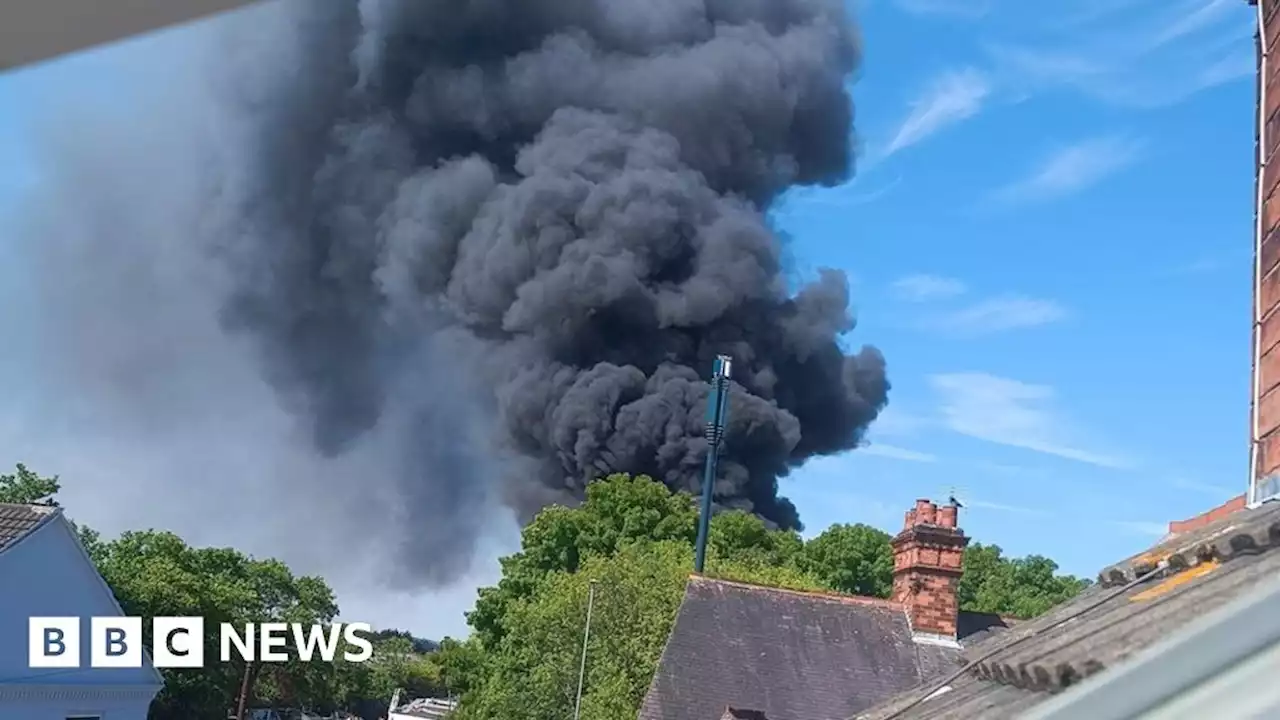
969, 9
975, 503
1073, 168
896, 423
950, 99
893, 452
924, 287
1234, 66
1190, 19
1010, 412
1000, 314
1003, 468
1206, 488
1133, 53
1085, 12
851, 194
1143, 527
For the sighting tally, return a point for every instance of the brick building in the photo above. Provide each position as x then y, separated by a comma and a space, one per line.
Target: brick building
1265, 400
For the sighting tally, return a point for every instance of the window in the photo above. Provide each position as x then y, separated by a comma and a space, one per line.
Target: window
1266, 489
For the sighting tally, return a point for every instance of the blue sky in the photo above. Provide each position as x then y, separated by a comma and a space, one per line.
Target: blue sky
1049, 238
1051, 242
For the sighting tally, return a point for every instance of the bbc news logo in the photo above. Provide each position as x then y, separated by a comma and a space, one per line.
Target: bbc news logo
178, 642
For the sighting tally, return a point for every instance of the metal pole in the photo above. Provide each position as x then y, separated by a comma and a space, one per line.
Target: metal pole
586, 637
704, 515
717, 415
245, 682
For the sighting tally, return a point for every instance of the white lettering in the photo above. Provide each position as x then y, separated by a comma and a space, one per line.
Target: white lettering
273, 639
244, 644
178, 642
308, 643
349, 633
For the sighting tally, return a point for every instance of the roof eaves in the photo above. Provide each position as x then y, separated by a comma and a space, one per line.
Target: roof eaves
1238, 533
812, 594
1216, 643
1178, 566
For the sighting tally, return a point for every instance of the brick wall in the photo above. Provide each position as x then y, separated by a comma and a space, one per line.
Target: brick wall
1235, 504
928, 560
1266, 402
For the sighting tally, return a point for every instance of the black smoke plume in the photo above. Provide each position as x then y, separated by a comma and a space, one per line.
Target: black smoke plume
559, 204
479, 250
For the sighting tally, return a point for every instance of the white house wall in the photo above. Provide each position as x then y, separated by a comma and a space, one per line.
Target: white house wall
47, 574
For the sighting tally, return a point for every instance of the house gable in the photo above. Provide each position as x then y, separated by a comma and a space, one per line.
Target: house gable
47, 572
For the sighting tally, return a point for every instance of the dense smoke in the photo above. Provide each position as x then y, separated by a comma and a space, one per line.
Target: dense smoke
576, 187
467, 229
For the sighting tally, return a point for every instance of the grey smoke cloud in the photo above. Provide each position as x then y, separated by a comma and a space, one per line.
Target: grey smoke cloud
459, 254
117, 373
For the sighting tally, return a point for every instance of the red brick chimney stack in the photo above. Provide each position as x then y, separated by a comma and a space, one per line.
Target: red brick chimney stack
928, 559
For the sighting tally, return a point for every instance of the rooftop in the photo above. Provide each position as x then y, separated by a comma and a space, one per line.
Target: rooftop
789, 654
17, 521
1136, 603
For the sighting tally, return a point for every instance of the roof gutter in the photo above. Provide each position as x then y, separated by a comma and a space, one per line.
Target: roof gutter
33, 31
1260, 190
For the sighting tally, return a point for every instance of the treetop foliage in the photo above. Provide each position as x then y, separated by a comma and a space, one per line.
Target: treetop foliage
634, 539
628, 546
25, 487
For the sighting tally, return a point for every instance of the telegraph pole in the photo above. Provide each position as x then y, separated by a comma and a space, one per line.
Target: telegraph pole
717, 416
245, 684
586, 637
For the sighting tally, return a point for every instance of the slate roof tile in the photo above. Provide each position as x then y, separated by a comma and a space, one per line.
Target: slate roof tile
789, 655
974, 627
16, 521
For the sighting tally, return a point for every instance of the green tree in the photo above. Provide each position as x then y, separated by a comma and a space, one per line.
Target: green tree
533, 673
1016, 587
461, 664
618, 510
155, 573
635, 539
744, 538
27, 488
631, 536
854, 559
421, 646
367, 687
